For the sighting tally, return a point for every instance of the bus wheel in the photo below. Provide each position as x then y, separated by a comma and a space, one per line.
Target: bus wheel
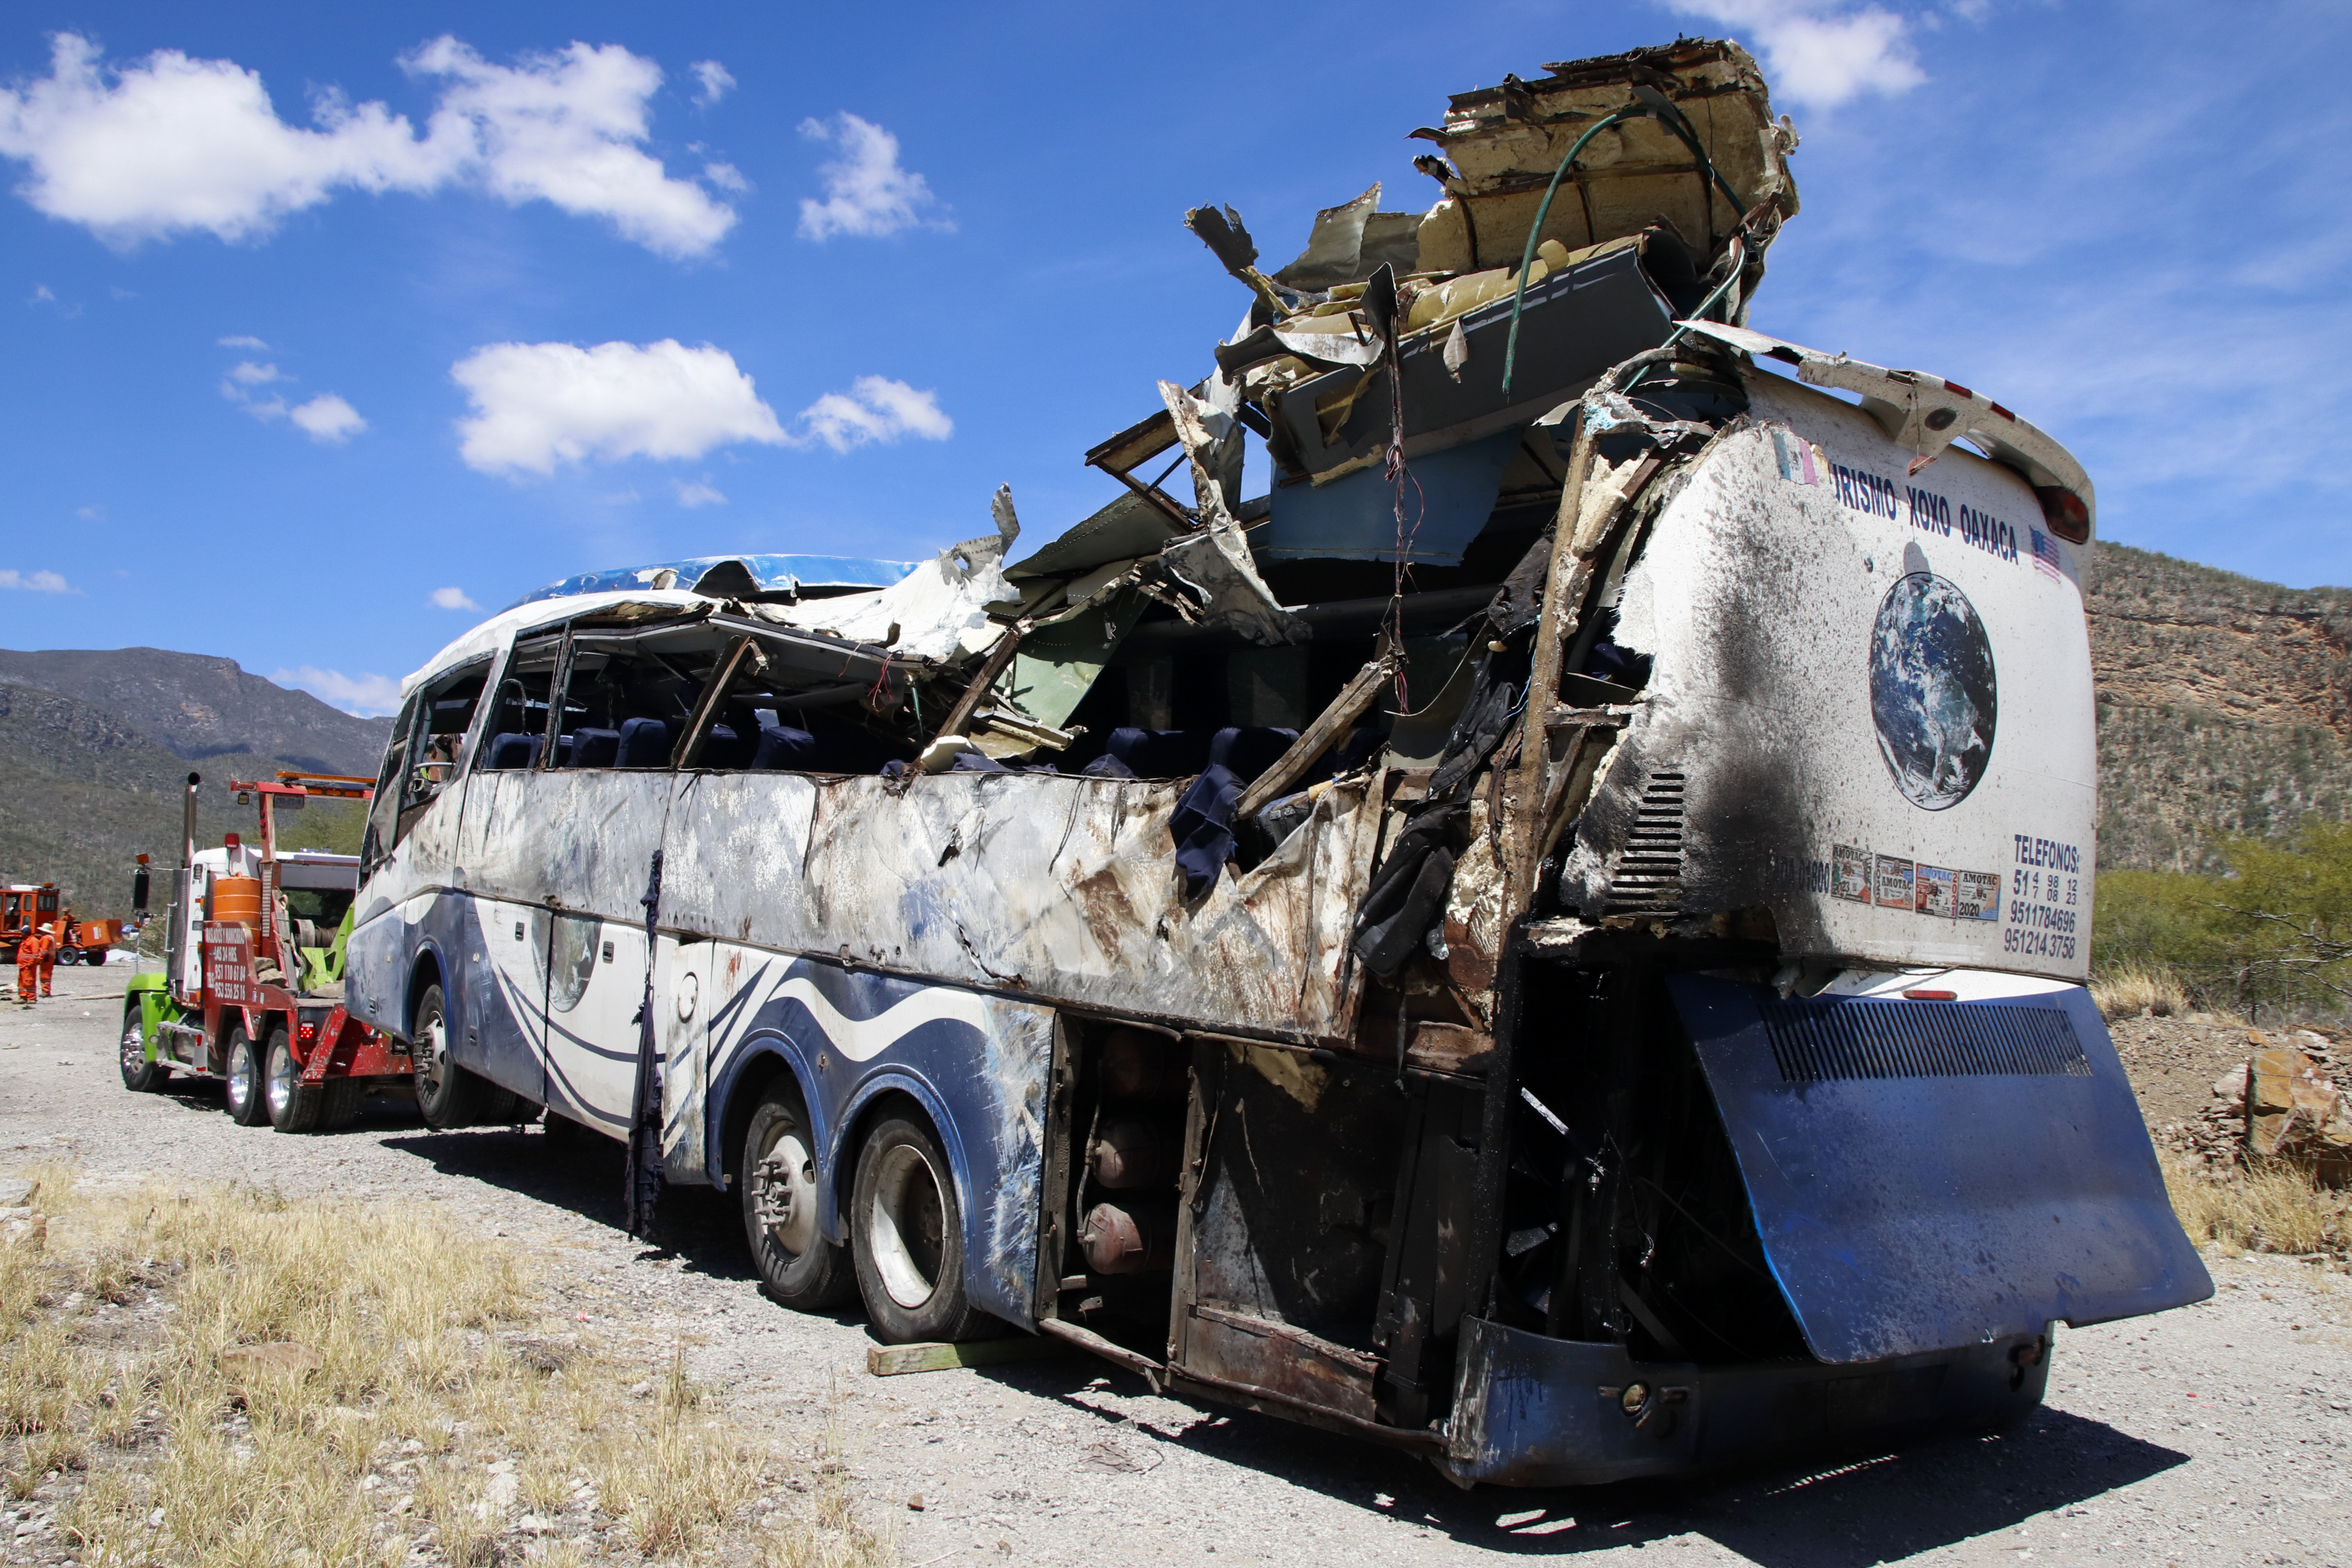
247, 1103
293, 1104
447, 1094
140, 1076
906, 1235
799, 1268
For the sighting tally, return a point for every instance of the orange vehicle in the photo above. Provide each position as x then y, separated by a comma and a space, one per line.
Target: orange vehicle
25, 907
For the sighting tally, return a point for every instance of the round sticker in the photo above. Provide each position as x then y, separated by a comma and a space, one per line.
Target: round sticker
1931, 690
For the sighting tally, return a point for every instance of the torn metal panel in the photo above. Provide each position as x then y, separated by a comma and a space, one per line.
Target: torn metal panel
1352, 241
938, 611
1072, 897
1576, 322
1214, 565
1127, 528
1506, 144
1924, 414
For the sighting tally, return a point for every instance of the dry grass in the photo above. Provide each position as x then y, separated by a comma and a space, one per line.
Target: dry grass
2267, 1207
449, 1419
2134, 990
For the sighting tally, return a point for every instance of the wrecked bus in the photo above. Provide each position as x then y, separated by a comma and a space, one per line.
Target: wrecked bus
1553, 938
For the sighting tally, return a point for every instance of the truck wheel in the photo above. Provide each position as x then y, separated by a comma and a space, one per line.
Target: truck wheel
247, 1103
499, 1107
140, 1076
906, 1235
95, 957
800, 1269
447, 1094
340, 1103
293, 1104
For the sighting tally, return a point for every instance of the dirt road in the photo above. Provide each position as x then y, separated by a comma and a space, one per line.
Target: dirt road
2219, 1434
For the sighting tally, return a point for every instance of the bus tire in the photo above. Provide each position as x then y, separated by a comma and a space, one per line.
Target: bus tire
499, 1107
906, 1233
447, 1094
247, 1105
293, 1104
140, 1075
798, 1266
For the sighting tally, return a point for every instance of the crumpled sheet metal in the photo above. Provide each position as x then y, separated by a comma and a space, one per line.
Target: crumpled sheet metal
1926, 413
1061, 890
941, 608
1505, 143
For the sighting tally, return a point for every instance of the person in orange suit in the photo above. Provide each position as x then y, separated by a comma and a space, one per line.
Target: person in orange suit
28, 967
54, 935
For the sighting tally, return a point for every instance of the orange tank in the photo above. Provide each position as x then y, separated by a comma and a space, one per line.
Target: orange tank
238, 898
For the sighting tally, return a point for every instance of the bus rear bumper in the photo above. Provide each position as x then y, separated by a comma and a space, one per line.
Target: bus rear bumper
1531, 1411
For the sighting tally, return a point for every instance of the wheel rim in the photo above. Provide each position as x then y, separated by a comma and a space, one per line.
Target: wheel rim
240, 1076
783, 1193
428, 1069
279, 1083
906, 1231
134, 1048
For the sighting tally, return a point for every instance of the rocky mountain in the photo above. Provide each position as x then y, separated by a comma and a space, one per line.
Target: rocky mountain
95, 747
198, 707
2225, 707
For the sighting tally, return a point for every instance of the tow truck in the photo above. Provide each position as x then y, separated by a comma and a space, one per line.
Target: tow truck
252, 987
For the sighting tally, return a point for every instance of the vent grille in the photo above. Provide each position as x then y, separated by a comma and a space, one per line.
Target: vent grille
1648, 880
1815, 1039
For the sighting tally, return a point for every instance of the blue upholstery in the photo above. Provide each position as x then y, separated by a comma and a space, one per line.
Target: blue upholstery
722, 748
514, 751
1249, 752
783, 747
645, 743
1160, 753
593, 748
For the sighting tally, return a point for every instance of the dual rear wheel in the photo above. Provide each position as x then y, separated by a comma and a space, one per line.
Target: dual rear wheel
905, 1257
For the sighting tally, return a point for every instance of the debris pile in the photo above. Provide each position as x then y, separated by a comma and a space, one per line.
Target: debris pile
2282, 1103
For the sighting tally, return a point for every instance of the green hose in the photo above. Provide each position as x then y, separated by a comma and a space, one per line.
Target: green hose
1673, 120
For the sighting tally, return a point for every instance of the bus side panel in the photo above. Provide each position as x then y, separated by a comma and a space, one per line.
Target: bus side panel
1064, 886
977, 1064
506, 996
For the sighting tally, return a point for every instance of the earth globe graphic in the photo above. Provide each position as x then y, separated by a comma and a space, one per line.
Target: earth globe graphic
1931, 690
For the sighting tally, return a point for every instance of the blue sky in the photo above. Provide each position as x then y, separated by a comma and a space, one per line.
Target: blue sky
326, 324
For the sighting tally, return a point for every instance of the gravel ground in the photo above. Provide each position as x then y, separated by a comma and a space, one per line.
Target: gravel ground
2218, 1434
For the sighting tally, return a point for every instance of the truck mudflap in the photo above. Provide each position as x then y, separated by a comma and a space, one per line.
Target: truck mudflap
1533, 1411
1931, 1174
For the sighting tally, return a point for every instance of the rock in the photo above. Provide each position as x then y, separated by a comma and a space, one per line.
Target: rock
15, 1192
2232, 1085
24, 1227
2295, 1112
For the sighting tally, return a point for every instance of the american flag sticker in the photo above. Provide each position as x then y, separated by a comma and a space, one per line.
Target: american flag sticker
1795, 455
2045, 555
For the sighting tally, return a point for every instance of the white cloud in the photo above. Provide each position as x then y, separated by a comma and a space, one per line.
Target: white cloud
726, 176
91, 514
692, 494
538, 405
327, 419
35, 582
565, 128
865, 191
365, 695
40, 295
874, 408
451, 599
1820, 53
717, 80
169, 144
243, 341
